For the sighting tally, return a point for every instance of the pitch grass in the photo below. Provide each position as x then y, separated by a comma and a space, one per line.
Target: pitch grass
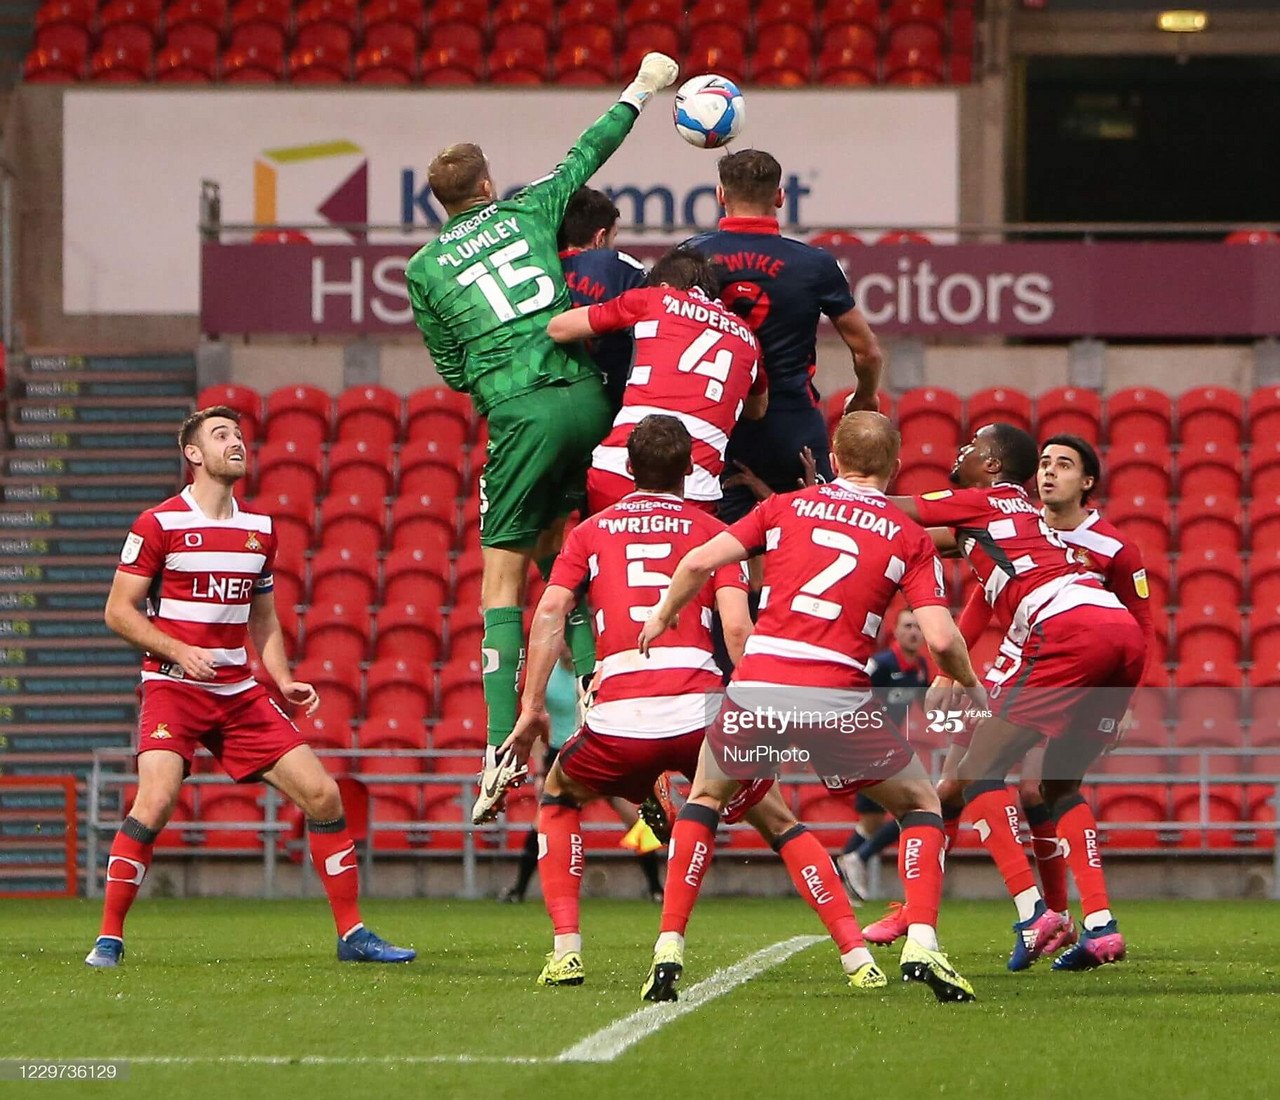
1194, 1012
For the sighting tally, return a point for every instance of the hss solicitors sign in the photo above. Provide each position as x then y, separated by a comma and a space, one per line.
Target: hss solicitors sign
1052, 290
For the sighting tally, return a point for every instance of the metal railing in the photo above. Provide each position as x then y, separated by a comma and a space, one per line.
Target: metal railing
484, 842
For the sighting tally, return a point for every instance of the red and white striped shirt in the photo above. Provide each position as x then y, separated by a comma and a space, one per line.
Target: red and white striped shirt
624, 556
694, 360
204, 574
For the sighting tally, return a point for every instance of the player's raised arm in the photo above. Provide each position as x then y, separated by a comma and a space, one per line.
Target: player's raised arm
602, 138
122, 616
687, 581
615, 315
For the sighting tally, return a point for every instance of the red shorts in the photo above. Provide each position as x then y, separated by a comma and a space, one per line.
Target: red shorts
605, 489
627, 767
247, 733
1075, 674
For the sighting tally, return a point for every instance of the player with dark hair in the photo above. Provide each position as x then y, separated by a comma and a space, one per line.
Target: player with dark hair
482, 293
596, 272
694, 360
1068, 664
203, 566
901, 672
835, 557
782, 287
649, 713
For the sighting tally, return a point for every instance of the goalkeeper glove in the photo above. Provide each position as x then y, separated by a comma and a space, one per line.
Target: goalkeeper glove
657, 71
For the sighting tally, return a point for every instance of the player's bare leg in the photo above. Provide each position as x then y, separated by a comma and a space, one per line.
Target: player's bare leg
997, 746
502, 653
301, 778
160, 776
560, 863
1051, 865
1066, 761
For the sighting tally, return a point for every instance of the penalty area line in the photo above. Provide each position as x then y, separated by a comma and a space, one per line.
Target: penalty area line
616, 1039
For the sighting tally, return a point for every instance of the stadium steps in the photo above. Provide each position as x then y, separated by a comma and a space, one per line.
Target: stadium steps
93, 443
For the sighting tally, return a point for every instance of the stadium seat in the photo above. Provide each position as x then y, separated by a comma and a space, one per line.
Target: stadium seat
289, 468
461, 691
797, 13
646, 38
370, 414
924, 13
340, 574
597, 38
437, 71
1203, 661
1252, 236
1140, 413
388, 734
322, 63
288, 589
390, 46
414, 575
645, 12
64, 27
534, 13
914, 67
410, 630
998, 404
337, 681
261, 23
846, 48
789, 37
829, 817
422, 520
220, 807
292, 520
728, 61
394, 811
198, 24
120, 64
1210, 522
1221, 804
1123, 811
360, 468
252, 64
247, 402
1264, 469
1146, 521
290, 627
932, 414
399, 686
299, 413
474, 13
355, 522
423, 470
841, 13
438, 399
1264, 525
1208, 569
1210, 413
1138, 469
128, 23
326, 24
1265, 654
1147, 711
724, 14
781, 67
518, 67
52, 65
521, 37
1069, 410
338, 632
583, 65
1210, 468
1208, 717
465, 41
719, 36
1264, 414
925, 468
405, 13
587, 13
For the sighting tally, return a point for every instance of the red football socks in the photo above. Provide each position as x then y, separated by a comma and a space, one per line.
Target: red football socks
126, 868
1079, 832
817, 881
1050, 864
920, 862
693, 840
333, 854
560, 863
992, 808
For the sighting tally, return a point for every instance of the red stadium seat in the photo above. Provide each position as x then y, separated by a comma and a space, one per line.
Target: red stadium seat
411, 630
915, 66
1131, 808
370, 413
299, 413
411, 13
1210, 469
355, 522
341, 575
925, 468
1209, 718
1145, 521
397, 808
252, 64
128, 23
1264, 526
420, 520
842, 77
1220, 805
446, 74
735, 14
230, 807
718, 36
933, 414
413, 575
1210, 564
840, 238
386, 733
1147, 719
1265, 652
530, 38
518, 67
927, 13
384, 65
583, 65
588, 13
594, 37
1208, 628
1202, 662
668, 12
360, 469
326, 23
1209, 589
474, 13
338, 632
52, 65
270, 20
120, 64
1140, 413
998, 404
646, 38
1252, 236
728, 61
65, 27
771, 13
828, 816
442, 400
1069, 410
196, 23
922, 39
400, 40
781, 68
264, 39
1210, 522
247, 402
1264, 468
790, 37
401, 687
423, 471
536, 13
1138, 469
289, 467
337, 680
1264, 414
840, 13
323, 63
464, 40
292, 518
1210, 413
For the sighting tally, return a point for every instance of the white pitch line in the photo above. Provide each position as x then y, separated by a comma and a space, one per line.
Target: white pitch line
602, 1046
608, 1043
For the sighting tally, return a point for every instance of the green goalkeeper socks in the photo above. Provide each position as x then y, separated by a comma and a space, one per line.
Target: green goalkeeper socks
502, 654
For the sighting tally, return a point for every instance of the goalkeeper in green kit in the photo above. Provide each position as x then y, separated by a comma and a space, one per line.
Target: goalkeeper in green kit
482, 293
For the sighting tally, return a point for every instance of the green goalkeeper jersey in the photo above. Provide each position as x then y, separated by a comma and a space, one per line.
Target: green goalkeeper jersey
483, 291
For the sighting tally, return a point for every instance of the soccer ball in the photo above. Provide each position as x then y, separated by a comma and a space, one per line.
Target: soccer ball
709, 111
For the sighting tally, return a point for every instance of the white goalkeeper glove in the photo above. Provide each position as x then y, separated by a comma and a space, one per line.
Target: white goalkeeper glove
657, 71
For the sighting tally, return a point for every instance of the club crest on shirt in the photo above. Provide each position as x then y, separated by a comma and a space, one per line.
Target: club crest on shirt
252, 542
161, 732
1082, 559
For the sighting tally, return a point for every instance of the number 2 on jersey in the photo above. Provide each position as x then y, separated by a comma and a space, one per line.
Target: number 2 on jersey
503, 261
809, 601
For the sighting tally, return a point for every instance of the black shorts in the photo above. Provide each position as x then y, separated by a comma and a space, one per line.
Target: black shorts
770, 448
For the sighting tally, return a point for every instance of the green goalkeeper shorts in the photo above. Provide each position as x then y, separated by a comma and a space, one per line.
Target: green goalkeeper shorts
540, 448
